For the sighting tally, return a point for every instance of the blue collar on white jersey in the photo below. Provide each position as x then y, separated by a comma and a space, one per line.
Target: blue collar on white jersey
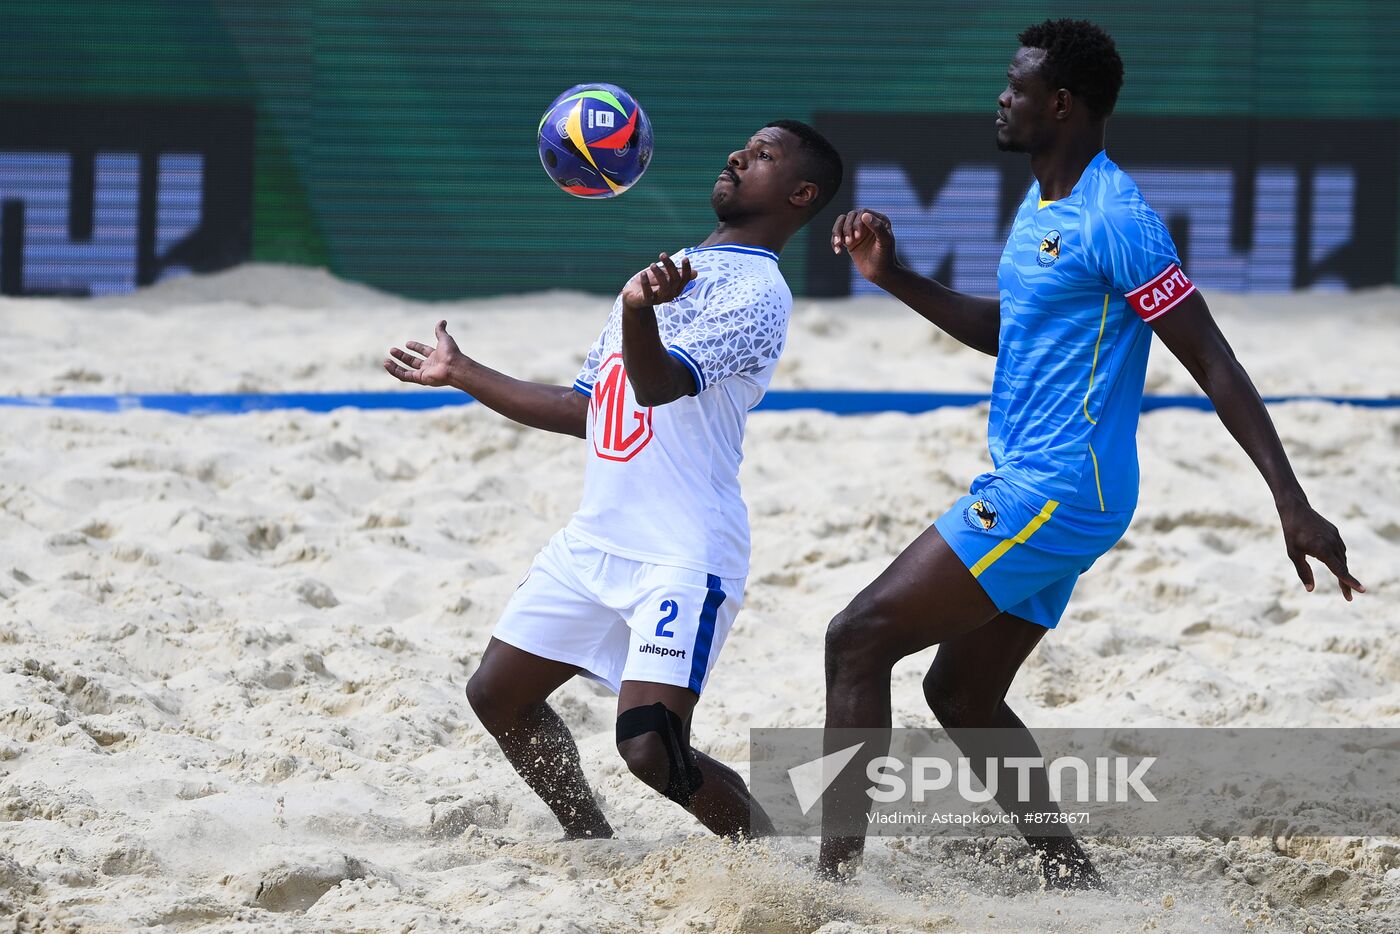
736, 248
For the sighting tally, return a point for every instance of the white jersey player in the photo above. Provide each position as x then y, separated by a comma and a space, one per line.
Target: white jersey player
639, 590
650, 571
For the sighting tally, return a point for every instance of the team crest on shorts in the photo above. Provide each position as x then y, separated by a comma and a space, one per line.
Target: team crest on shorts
981, 515
1049, 249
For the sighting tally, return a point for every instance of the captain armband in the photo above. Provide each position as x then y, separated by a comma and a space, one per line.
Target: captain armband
1160, 295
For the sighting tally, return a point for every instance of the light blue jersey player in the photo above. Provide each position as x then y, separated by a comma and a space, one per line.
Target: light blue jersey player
1079, 279
1089, 274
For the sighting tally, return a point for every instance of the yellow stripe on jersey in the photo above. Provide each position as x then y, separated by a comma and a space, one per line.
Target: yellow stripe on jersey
1093, 367
1019, 538
1043, 203
1097, 485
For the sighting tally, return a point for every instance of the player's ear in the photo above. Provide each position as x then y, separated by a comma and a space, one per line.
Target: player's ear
804, 195
1064, 103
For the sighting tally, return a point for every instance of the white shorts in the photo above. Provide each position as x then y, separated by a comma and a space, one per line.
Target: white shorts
619, 619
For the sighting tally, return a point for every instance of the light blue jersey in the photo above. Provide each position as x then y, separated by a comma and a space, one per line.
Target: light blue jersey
1078, 279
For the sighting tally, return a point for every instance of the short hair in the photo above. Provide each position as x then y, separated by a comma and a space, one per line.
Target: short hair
823, 162
1081, 58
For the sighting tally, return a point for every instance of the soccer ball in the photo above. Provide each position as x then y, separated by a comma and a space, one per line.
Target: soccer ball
595, 141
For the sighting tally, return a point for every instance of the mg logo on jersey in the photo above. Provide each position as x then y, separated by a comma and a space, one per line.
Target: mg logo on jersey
621, 428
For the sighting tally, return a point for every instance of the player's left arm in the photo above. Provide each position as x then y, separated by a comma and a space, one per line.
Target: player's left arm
656, 376
1190, 332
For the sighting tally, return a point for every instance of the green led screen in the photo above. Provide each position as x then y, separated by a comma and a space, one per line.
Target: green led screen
393, 142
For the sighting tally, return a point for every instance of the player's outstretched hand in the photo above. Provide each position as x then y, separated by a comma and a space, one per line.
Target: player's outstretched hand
869, 238
426, 366
659, 283
1306, 534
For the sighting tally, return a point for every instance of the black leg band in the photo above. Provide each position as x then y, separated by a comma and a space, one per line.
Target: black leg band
684, 777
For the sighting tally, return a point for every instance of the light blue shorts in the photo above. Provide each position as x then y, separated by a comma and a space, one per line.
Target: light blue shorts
1027, 551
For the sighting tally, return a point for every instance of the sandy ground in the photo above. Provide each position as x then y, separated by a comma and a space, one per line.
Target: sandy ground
232, 649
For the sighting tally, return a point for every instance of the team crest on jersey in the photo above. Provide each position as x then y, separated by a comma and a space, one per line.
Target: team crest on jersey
621, 428
1049, 249
981, 515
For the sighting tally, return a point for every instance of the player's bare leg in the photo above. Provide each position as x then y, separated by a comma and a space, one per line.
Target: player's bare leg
926, 596
655, 743
508, 693
966, 689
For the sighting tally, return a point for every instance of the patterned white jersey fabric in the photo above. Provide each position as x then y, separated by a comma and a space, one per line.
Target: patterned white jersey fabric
662, 483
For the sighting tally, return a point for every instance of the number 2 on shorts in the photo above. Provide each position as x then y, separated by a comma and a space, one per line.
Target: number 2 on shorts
671, 609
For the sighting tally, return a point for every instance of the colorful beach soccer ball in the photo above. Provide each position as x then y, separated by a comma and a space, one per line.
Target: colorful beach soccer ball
595, 141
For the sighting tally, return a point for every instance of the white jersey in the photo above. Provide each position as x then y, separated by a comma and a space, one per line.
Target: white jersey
662, 483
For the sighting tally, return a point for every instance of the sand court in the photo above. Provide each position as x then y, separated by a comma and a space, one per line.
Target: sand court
233, 648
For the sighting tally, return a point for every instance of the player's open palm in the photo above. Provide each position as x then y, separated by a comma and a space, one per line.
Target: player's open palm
663, 281
869, 238
424, 365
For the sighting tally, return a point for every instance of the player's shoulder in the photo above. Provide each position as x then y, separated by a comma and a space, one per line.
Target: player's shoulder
739, 274
1112, 191
1115, 203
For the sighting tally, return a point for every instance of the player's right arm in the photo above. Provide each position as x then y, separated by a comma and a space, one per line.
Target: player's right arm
536, 405
869, 237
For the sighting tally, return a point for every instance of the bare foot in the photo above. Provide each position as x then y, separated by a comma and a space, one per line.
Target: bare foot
1064, 865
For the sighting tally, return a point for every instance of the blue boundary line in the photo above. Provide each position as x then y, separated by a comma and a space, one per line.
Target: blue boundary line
839, 402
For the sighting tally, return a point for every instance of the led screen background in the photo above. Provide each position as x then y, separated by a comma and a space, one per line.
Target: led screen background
393, 142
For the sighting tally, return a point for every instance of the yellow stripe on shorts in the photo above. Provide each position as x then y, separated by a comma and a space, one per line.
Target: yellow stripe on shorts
991, 557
